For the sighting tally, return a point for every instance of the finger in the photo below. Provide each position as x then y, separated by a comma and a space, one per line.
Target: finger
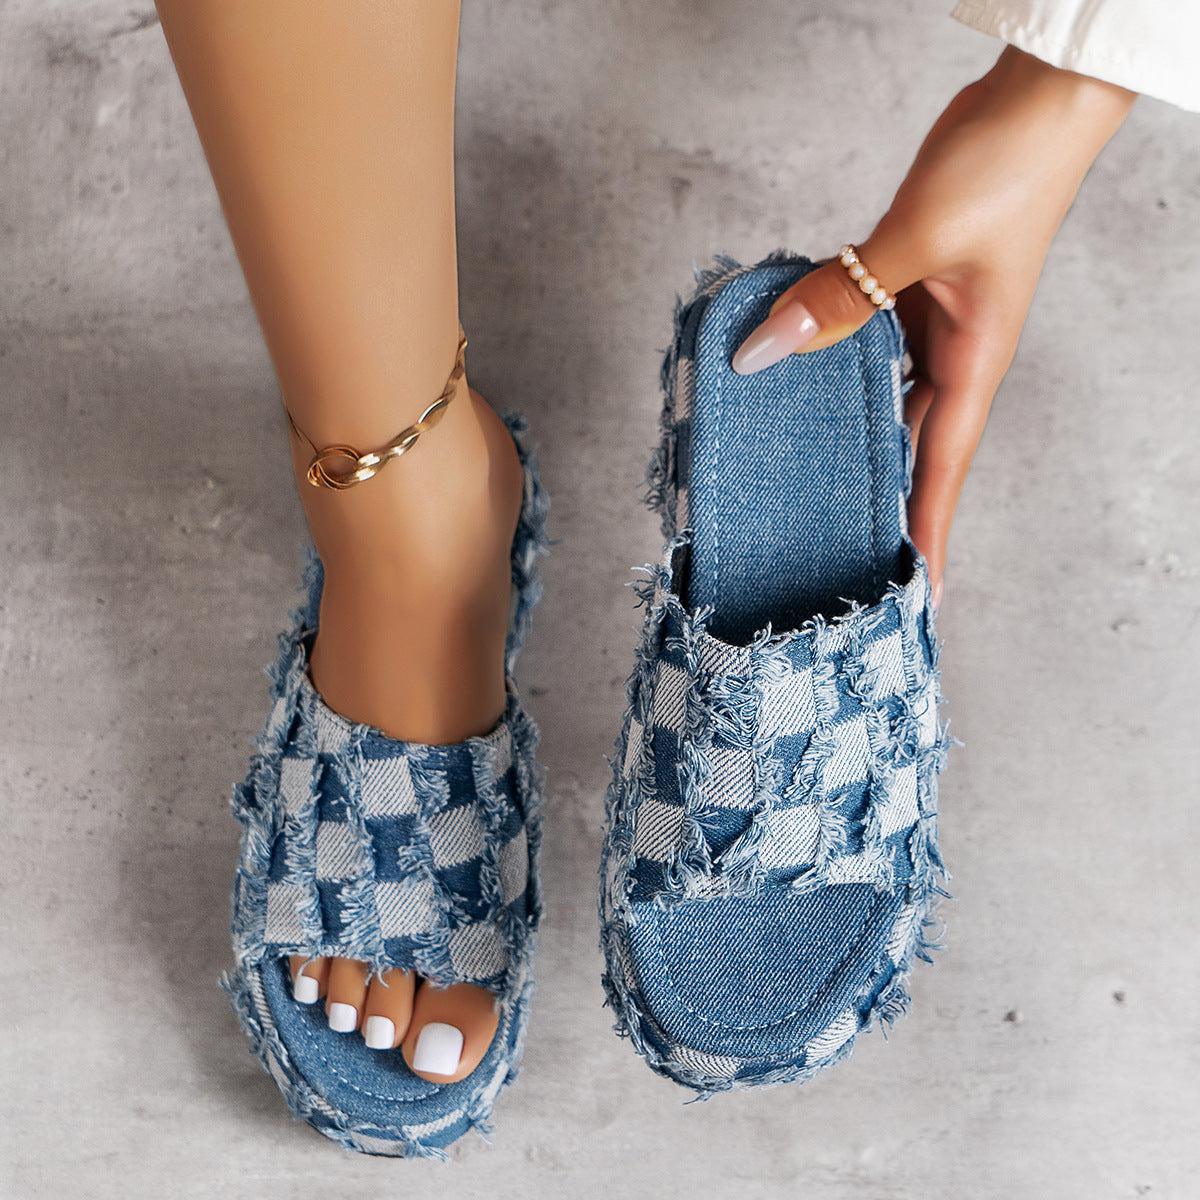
828, 305
308, 978
950, 433
347, 993
389, 1009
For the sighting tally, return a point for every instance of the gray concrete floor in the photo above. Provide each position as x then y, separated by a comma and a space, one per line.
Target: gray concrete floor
148, 544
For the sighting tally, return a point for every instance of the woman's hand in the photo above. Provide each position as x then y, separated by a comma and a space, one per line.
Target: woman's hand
962, 244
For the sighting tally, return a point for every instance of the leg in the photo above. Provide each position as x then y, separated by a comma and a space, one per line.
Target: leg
329, 132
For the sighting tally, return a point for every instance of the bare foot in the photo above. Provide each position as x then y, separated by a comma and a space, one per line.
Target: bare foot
413, 622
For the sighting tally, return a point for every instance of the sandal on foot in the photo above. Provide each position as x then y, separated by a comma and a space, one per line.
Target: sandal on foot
771, 855
400, 855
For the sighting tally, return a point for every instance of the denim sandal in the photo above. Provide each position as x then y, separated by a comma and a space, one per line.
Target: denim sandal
397, 854
771, 853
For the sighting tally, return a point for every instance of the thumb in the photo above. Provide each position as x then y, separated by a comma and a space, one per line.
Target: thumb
828, 305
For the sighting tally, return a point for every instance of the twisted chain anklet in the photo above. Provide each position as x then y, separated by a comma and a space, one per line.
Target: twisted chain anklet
360, 466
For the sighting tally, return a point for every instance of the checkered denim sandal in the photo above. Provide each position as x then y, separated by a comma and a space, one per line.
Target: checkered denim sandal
771, 854
401, 855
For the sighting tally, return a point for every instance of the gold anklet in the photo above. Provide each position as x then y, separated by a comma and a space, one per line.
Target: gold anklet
360, 467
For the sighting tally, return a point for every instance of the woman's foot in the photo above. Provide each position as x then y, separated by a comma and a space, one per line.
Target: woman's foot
414, 617
443, 1033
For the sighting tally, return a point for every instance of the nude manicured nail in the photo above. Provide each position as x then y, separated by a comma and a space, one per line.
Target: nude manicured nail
937, 594
305, 989
439, 1049
379, 1033
343, 1018
790, 328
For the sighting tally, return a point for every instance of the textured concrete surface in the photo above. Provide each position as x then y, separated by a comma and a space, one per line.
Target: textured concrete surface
148, 543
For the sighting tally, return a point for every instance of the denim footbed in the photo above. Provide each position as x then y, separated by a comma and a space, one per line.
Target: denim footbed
788, 997
794, 473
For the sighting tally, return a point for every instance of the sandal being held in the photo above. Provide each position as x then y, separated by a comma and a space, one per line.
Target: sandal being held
771, 858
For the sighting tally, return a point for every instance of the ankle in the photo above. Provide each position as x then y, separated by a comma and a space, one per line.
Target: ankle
414, 613
432, 674
443, 513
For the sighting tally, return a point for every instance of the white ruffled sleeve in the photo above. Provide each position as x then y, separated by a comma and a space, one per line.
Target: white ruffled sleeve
1148, 46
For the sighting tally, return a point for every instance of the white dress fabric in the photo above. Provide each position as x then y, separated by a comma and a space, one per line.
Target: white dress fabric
1148, 46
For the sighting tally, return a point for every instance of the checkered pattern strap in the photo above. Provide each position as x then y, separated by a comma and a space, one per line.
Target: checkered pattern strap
806, 759
398, 854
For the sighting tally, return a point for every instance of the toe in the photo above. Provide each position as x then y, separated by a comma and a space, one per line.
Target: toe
309, 978
346, 995
389, 1009
450, 1032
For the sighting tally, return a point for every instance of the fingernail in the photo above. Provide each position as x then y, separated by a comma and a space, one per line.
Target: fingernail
937, 594
343, 1018
379, 1033
439, 1049
788, 329
305, 989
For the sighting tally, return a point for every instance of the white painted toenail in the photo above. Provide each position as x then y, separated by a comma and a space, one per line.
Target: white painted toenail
379, 1033
439, 1049
306, 989
343, 1018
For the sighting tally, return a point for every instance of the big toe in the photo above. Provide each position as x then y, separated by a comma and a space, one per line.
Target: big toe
450, 1031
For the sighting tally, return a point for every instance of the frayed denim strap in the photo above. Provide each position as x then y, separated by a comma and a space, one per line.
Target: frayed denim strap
742, 765
396, 854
